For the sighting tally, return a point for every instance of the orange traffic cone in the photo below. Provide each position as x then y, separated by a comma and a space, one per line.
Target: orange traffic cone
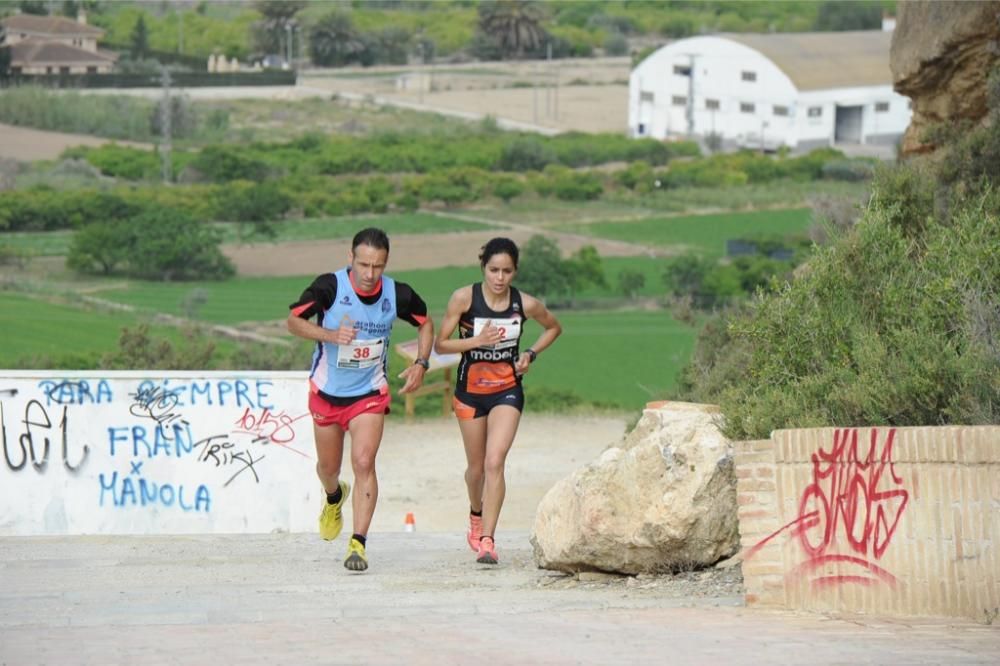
409, 525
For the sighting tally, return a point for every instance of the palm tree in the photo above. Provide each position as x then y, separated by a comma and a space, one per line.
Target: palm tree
334, 41
268, 34
515, 26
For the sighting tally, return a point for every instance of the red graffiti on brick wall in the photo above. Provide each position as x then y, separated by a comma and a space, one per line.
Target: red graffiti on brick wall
850, 512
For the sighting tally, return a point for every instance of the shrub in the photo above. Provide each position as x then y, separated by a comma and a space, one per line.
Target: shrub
243, 201
507, 188
157, 244
879, 330
575, 186
526, 154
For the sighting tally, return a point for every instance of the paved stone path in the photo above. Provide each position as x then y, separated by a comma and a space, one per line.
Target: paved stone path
286, 599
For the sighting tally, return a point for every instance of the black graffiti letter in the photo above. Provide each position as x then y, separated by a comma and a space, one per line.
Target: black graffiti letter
6, 454
27, 441
65, 445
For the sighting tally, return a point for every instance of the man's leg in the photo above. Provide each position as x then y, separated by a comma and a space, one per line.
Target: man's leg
329, 456
366, 436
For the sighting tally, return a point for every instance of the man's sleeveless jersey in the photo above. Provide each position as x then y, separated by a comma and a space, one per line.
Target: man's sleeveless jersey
358, 368
485, 370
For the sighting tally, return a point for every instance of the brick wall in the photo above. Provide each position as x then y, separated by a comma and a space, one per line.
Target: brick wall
889, 521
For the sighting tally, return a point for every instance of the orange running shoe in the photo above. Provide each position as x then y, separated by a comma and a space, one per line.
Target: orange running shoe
487, 551
475, 532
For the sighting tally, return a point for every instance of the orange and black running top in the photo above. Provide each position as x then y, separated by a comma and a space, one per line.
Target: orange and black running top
486, 370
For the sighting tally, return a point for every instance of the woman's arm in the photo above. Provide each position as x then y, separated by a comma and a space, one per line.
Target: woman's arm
536, 310
460, 302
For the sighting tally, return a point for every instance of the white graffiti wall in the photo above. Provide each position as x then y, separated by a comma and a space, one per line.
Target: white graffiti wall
155, 453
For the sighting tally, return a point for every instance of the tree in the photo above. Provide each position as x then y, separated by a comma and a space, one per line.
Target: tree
175, 246
157, 244
584, 268
835, 15
515, 26
267, 35
4, 54
334, 41
101, 247
36, 7
139, 39
630, 281
541, 272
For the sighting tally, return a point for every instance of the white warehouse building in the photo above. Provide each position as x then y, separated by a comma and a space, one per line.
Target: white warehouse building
801, 90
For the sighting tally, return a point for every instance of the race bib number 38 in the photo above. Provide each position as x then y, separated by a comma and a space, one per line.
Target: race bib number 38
360, 354
510, 330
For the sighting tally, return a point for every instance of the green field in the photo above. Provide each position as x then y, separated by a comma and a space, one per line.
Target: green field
32, 327
265, 299
56, 243
706, 234
346, 227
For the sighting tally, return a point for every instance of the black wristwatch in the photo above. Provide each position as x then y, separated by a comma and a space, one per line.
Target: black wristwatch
532, 353
424, 362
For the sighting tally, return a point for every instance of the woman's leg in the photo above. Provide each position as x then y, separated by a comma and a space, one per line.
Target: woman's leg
501, 427
474, 439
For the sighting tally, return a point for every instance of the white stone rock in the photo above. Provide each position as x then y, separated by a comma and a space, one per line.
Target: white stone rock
664, 499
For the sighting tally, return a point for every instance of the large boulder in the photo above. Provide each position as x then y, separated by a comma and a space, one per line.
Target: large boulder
664, 499
941, 54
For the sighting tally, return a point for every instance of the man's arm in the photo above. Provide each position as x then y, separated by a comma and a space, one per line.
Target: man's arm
316, 299
412, 308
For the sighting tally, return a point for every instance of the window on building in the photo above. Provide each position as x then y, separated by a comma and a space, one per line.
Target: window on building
780, 110
881, 107
48, 70
679, 100
645, 96
746, 107
712, 104
642, 129
64, 70
682, 70
748, 76
15, 71
92, 70
815, 111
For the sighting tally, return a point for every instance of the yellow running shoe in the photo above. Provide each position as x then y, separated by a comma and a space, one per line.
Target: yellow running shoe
331, 520
356, 560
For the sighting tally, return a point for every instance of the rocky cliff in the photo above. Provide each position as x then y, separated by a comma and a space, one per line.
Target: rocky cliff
942, 51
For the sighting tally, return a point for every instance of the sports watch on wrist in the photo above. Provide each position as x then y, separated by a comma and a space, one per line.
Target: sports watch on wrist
424, 362
532, 353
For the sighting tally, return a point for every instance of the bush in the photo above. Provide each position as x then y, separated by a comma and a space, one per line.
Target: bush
878, 331
576, 186
526, 154
507, 188
243, 201
158, 244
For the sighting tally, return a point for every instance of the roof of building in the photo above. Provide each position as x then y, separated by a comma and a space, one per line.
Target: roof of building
822, 60
50, 25
38, 51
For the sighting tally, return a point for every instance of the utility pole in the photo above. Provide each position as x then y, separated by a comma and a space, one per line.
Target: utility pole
165, 129
548, 80
689, 111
